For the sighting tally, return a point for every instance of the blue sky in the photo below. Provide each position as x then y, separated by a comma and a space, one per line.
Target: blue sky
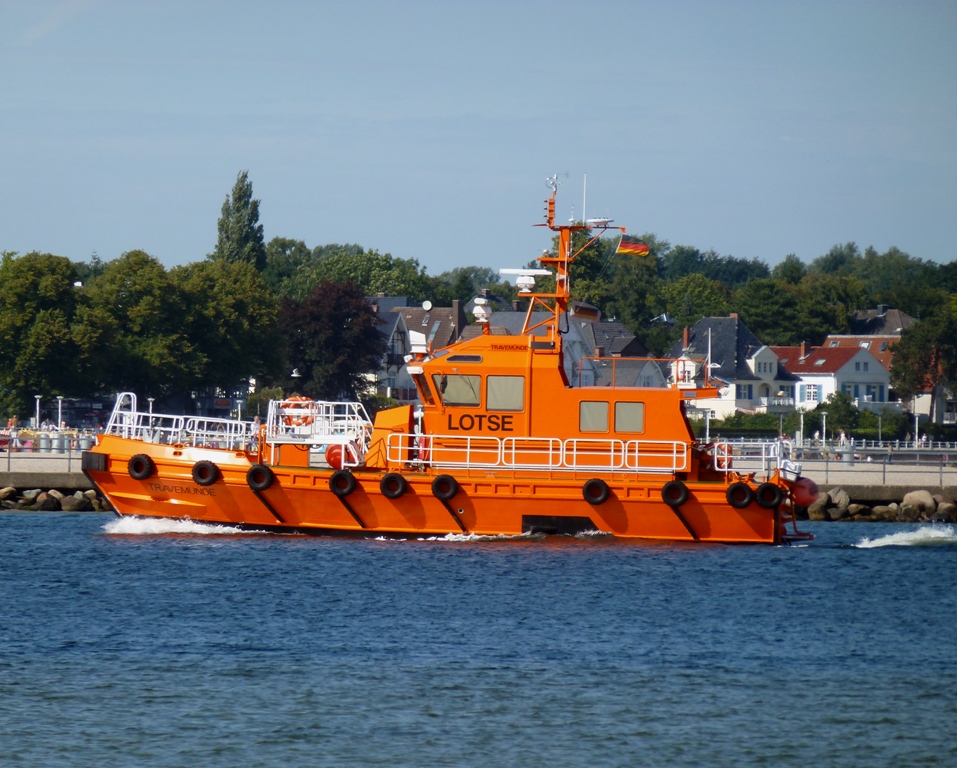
427, 129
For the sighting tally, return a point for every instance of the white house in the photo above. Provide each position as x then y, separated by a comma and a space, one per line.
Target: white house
749, 370
826, 370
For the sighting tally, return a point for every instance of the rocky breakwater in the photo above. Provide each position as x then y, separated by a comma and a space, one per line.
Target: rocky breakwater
916, 507
51, 501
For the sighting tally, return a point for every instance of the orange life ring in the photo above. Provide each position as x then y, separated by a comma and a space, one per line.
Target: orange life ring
296, 403
722, 456
424, 448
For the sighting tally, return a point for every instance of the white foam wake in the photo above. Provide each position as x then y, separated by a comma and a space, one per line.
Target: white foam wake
925, 535
148, 526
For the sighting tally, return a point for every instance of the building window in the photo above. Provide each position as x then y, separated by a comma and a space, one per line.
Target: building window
743, 391
857, 366
865, 366
834, 343
593, 417
865, 344
812, 393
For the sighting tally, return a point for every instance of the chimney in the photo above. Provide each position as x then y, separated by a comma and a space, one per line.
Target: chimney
458, 317
686, 338
733, 315
515, 305
599, 351
803, 349
380, 295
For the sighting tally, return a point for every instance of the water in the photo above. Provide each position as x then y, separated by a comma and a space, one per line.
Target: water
177, 644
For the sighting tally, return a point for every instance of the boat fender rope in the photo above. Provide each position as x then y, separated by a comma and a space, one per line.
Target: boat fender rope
769, 496
596, 491
393, 485
260, 477
205, 473
444, 487
739, 495
141, 466
674, 493
342, 483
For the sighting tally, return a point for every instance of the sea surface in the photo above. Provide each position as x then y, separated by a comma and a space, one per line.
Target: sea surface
138, 643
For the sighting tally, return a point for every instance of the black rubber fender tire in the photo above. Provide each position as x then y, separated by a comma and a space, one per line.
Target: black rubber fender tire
393, 485
205, 473
769, 496
739, 495
141, 467
596, 491
260, 477
342, 483
444, 487
674, 493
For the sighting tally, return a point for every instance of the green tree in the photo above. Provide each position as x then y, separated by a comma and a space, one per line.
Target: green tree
372, 272
769, 309
332, 340
230, 319
283, 258
826, 305
926, 357
840, 260
38, 352
148, 349
240, 233
694, 296
791, 270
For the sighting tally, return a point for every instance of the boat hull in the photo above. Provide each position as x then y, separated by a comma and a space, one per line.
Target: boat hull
506, 503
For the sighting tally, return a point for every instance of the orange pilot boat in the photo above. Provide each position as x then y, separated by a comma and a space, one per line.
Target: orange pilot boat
503, 443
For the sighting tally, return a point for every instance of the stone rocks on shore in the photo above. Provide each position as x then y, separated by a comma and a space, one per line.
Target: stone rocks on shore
51, 501
916, 506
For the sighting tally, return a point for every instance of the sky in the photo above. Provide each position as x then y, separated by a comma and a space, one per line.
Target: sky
427, 129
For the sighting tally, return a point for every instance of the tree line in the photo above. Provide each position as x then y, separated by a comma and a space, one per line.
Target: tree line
257, 310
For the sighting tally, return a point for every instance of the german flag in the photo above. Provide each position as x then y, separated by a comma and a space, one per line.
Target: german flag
632, 246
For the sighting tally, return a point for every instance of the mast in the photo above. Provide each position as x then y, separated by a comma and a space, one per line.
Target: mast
557, 303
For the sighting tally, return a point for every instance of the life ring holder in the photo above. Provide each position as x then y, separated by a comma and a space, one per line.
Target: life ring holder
141, 466
297, 403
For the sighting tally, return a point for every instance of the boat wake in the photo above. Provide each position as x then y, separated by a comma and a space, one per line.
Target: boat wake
148, 526
926, 535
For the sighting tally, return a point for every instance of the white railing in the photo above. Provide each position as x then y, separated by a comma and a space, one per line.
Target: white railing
317, 424
127, 422
539, 453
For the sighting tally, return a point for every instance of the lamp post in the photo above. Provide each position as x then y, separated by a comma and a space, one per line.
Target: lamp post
916, 434
37, 422
59, 411
801, 418
824, 425
880, 437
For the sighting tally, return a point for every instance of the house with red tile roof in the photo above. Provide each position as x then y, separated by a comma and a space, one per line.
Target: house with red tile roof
855, 371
